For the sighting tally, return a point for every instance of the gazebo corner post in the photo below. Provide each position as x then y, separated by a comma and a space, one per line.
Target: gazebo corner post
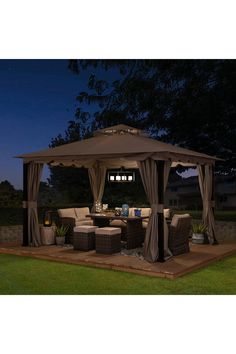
25, 208
160, 189
215, 242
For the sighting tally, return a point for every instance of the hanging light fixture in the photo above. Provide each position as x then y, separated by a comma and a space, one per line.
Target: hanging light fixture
121, 176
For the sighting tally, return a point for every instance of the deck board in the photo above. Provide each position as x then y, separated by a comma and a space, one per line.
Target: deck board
198, 257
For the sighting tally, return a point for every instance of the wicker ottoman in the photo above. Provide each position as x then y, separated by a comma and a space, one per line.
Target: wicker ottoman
84, 238
108, 240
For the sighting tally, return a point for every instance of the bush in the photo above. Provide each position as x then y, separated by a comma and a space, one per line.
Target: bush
14, 216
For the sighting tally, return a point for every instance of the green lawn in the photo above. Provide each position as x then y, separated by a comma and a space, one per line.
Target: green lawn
23, 275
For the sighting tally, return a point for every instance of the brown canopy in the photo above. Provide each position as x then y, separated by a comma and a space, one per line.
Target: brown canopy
117, 142
121, 146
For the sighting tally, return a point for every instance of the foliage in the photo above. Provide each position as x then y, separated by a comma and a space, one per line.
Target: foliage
199, 229
12, 198
9, 196
70, 184
14, 216
47, 194
190, 103
186, 102
61, 231
53, 278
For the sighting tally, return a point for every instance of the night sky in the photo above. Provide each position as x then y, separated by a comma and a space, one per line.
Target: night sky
37, 99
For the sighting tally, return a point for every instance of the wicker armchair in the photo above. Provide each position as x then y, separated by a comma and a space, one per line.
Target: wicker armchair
179, 233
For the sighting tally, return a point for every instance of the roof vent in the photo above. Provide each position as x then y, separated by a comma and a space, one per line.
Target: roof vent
119, 129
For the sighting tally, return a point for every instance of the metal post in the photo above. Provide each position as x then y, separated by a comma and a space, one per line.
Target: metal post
160, 170
25, 210
215, 242
213, 187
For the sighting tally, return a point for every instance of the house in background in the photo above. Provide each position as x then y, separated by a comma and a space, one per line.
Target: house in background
185, 193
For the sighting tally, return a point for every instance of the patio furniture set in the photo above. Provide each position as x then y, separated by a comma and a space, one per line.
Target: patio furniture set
108, 233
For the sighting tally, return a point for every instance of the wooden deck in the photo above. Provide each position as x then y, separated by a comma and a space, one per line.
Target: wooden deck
198, 257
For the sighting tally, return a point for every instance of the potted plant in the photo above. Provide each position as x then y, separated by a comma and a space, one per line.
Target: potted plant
198, 235
60, 234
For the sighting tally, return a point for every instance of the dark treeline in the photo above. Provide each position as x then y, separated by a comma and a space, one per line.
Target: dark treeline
190, 103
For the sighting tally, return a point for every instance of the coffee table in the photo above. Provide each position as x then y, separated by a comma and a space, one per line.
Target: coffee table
132, 232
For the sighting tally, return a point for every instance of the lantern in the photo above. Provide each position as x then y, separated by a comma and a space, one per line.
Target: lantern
121, 176
47, 220
125, 210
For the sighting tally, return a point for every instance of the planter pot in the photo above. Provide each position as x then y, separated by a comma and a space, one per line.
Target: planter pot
60, 241
198, 238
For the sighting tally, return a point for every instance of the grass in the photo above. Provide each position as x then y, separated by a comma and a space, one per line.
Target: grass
24, 275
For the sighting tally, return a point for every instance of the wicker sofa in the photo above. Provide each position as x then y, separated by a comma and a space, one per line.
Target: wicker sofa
72, 217
144, 212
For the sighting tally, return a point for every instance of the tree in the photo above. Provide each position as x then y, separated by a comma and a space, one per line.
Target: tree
186, 102
190, 103
9, 197
71, 185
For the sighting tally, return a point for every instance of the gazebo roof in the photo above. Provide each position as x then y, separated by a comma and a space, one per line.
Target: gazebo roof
119, 142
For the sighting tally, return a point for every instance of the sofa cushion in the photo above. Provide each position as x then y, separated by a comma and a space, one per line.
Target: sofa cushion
83, 222
81, 213
176, 217
67, 213
131, 211
144, 211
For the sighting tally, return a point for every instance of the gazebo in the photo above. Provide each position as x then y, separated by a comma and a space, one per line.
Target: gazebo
121, 146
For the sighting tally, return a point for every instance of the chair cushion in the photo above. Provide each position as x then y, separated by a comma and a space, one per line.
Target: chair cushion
166, 213
85, 228
81, 213
176, 217
83, 222
108, 231
67, 213
145, 223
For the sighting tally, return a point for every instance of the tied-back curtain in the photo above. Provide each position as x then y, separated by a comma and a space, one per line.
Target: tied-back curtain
34, 177
167, 167
149, 175
97, 176
206, 186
